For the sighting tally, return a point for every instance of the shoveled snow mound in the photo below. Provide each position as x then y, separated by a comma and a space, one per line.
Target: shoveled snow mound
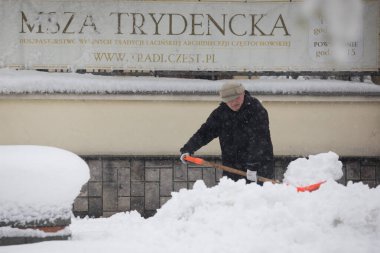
235, 217
321, 167
38, 182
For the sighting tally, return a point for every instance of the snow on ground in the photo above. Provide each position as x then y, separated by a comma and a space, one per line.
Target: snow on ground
236, 217
27, 81
39, 182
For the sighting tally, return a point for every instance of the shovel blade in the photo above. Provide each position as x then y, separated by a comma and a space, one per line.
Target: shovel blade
310, 188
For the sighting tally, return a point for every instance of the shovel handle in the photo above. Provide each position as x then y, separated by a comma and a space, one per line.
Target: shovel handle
200, 161
194, 160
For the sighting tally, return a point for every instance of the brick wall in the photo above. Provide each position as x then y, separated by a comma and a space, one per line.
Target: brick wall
120, 184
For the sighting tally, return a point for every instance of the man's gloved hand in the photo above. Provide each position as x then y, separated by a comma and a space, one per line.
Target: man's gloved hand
252, 169
182, 158
252, 175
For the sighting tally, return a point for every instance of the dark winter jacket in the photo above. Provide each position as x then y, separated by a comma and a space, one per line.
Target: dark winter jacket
244, 137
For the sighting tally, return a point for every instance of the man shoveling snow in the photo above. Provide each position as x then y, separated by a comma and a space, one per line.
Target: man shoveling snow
242, 125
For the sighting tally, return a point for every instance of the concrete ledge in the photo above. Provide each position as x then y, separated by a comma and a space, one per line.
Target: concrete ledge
4, 241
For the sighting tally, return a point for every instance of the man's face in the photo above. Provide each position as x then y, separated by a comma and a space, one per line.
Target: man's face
235, 104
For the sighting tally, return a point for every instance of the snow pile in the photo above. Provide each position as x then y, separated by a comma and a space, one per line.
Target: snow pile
317, 168
39, 183
236, 217
29, 82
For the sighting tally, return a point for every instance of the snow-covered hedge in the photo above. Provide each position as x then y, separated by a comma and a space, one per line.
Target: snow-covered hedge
39, 183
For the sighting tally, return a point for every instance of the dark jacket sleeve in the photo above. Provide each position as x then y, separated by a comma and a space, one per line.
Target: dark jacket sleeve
206, 133
260, 156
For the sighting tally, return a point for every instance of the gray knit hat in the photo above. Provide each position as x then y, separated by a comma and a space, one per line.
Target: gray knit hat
231, 90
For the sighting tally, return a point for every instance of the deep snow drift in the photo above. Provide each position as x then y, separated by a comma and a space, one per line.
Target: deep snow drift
236, 217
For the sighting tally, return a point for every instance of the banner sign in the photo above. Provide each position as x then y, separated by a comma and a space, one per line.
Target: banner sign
191, 36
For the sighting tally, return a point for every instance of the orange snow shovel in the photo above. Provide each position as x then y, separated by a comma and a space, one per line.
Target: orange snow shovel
200, 161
